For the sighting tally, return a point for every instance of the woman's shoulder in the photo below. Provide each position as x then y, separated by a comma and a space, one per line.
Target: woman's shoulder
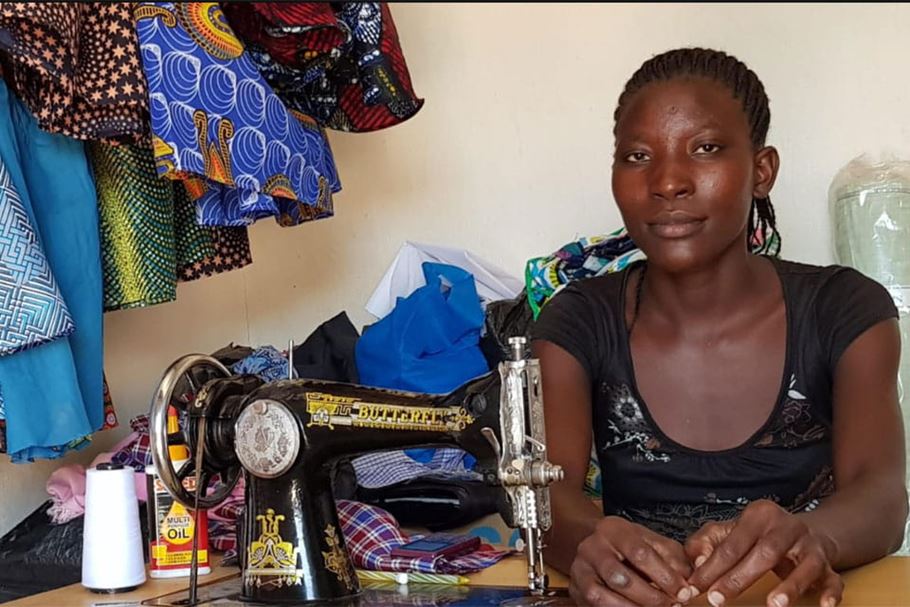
839, 302
829, 282
607, 288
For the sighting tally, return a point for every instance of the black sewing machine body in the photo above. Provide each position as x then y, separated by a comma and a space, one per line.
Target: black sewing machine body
294, 546
285, 436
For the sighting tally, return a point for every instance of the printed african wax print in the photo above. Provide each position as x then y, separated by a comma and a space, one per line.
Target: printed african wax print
339, 62
214, 118
75, 65
149, 234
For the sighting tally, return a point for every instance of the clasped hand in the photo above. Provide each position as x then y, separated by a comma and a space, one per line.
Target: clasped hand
623, 564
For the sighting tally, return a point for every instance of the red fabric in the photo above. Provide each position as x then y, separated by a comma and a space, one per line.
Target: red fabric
305, 38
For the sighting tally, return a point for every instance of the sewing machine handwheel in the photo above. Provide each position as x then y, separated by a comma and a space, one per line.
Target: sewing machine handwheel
178, 388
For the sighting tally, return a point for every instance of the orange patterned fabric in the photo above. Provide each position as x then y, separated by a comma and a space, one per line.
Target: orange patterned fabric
76, 66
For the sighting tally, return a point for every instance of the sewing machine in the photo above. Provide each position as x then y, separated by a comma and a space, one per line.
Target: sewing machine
284, 436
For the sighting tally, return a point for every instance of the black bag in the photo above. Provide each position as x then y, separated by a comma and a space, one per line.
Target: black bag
37, 555
436, 504
504, 319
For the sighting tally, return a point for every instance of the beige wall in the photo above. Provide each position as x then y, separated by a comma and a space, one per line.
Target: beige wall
510, 158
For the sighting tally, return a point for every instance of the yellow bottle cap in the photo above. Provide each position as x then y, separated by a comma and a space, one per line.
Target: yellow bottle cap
178, 453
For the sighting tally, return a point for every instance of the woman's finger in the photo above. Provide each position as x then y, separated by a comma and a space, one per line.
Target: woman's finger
831, 592
641, 556
700, 544
586, 588
627, 583
811, 569
673, 553
767, 552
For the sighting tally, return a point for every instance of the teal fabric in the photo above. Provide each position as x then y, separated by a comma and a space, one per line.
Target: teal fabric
54, 393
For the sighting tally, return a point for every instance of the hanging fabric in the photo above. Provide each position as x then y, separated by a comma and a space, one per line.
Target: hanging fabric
217, 123
136, 215
339, 62
206, 250
149, 235
53, 393
76, 66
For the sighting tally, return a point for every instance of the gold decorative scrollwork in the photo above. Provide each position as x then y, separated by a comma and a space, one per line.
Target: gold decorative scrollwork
330, 411
336, 560
271, 560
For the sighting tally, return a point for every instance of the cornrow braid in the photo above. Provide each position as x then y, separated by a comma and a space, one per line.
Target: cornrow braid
763, 236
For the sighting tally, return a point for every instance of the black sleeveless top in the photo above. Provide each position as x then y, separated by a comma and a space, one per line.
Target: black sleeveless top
672, 489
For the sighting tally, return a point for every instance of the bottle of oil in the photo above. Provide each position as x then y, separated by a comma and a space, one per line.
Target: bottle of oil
171, 525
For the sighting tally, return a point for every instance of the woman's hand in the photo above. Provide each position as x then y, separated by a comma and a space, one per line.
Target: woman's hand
729, 557
616, 565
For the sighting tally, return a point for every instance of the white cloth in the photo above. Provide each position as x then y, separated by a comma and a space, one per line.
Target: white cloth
405, 276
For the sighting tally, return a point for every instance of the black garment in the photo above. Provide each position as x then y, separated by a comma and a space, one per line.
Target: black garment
437, 504
328, 353
652, 480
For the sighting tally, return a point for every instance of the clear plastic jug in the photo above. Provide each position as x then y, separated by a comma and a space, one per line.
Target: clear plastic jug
870, 211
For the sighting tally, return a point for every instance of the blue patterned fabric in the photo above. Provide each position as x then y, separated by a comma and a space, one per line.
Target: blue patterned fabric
54, 393
267, 363
214, 117
32, 310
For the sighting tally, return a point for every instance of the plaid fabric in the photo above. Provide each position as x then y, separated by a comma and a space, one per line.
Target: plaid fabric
137, 454
389, 467
370, 534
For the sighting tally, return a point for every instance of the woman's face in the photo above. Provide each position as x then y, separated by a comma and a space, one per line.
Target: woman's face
685, 171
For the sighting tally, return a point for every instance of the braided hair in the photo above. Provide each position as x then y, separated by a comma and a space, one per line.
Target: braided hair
763, 237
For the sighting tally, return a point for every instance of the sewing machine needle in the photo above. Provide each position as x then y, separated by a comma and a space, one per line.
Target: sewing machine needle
194, 567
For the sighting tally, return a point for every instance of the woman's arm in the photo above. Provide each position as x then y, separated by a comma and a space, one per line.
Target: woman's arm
865, 518
611, 562
862, 521
567, 412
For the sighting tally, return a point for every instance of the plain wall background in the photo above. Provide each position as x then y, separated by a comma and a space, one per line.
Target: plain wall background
510, 158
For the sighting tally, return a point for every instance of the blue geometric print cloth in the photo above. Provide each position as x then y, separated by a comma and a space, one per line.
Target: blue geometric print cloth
32, 311
54, 392
217, 124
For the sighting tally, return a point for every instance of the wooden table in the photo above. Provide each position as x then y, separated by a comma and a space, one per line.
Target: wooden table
883, 583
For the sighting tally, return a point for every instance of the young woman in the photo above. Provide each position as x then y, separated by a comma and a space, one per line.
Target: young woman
744, 409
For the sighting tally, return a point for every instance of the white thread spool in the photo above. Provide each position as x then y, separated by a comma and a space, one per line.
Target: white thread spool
112, 558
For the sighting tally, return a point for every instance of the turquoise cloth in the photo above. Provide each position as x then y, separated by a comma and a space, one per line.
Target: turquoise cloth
54, 393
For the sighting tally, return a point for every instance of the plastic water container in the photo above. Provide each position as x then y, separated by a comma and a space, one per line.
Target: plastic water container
870, 212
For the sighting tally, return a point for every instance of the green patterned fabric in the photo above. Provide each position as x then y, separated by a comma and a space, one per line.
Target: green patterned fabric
194, 242
136, 213
149, 235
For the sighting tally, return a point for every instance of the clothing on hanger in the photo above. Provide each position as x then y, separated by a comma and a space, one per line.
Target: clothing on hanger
53, 394
75, 65
149, 235
340, 62
217, 123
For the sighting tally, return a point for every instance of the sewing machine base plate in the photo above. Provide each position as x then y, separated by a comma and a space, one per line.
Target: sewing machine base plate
226, 593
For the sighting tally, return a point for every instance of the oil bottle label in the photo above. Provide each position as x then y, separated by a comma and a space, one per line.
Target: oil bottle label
173, 528
177, 527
